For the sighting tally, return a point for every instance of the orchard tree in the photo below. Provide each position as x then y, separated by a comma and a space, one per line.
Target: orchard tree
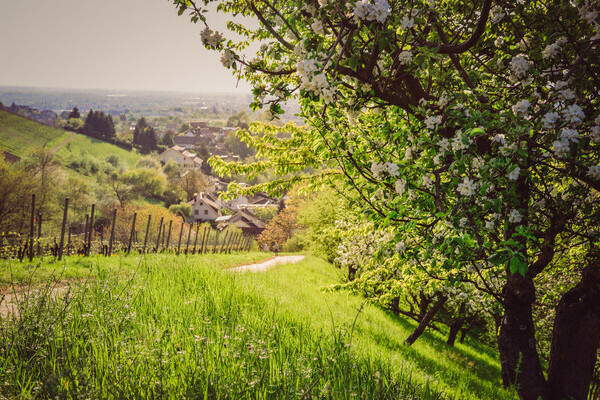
471, 129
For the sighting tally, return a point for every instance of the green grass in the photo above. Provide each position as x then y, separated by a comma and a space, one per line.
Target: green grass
87, 146
18, 134
182, 327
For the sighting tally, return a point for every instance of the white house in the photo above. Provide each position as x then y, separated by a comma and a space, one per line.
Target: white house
184, 158
205, 209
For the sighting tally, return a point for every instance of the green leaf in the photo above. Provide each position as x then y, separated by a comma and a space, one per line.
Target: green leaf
353, 62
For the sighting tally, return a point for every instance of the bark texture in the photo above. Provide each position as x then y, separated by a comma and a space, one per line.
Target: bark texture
576, 338
516, 342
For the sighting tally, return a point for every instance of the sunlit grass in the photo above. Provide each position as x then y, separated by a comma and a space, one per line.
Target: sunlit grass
175, 327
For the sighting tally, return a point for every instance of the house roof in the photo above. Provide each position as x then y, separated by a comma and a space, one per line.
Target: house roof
247, 219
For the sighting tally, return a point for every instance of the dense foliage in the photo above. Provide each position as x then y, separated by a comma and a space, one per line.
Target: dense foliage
471, 131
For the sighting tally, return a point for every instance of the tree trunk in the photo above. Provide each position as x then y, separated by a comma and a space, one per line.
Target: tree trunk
424, 303
351, 273
575, 339
464, 331
426, 320
516, 342
454, 329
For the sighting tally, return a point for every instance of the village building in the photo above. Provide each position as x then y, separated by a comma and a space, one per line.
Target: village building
184, 158
247, 222
205, 208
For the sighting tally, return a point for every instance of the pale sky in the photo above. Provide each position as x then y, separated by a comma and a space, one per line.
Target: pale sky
107, 44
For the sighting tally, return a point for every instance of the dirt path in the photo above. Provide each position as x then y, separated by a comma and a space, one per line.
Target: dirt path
263, 266
67, 140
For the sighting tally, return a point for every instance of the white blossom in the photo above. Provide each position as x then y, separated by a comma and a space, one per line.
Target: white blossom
444, 144
228, 58
400, 247
551, 51
561, 147
400, 186
367, 11
594, 172
462, 222
514, 174
406, 23
595, 134
210, 38
496, 14
573, 114
432, 121
550, 120
377, 169
499, 138
522, 107
499, 41
514, 216
405, 57
392, 169
519, 66
318, 28
427, 181
489, 225
569, 135
467, 187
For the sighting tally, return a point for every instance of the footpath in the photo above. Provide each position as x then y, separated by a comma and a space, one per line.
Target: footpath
263, 266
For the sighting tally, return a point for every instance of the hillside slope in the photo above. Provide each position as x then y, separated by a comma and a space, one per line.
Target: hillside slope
18, 135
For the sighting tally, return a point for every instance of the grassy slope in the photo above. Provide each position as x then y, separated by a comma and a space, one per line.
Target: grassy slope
97, 148
181, 328
18, 134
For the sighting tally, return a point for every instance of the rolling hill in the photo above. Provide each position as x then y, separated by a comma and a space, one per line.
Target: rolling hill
18, 135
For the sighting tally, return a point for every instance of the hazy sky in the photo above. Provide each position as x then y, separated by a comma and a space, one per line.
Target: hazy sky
107, 44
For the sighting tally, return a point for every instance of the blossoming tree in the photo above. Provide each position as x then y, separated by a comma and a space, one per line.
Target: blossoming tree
470, 128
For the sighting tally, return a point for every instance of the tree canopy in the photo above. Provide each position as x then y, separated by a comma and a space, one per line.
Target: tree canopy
472, 131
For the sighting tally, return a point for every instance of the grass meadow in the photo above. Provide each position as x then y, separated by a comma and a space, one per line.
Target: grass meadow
18, 134
159, 326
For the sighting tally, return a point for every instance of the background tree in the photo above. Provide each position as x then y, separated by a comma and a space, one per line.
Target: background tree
74, 113
144, 135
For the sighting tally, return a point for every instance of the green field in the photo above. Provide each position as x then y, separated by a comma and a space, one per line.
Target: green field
18, 134
159, 326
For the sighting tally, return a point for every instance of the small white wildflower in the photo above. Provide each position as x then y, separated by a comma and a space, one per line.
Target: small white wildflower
462, 222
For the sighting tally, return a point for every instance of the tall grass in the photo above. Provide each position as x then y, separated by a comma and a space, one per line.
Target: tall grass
186, 328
